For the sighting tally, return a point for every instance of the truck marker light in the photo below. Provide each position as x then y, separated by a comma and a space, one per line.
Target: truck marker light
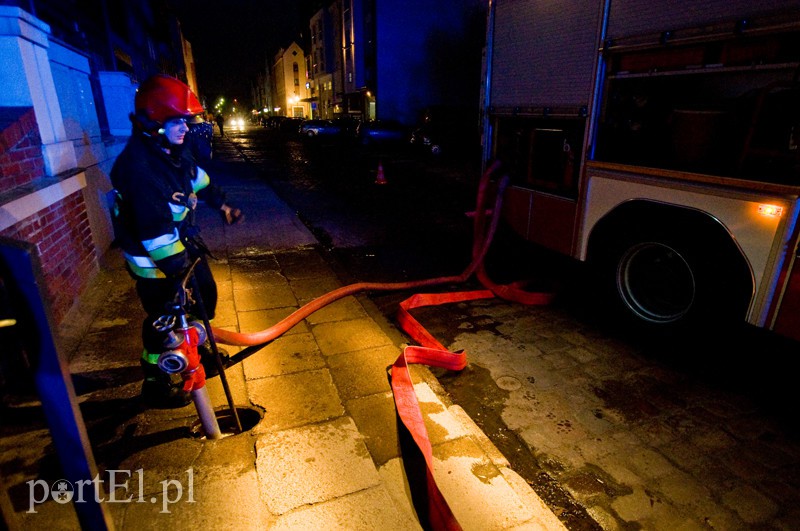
771, 211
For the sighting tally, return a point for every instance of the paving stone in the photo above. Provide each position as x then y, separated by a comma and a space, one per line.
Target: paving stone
713, 439
395, 481
685, 455
54, 516
477, 435
349, 336
225, 316
789, 521
594, 422
376, 418
304, 465
741, 464
236, 386
561, 360
543, 517
752, 506
285, 235
363, 372
681, 489
303, 264
285, 355
264, 297
615, 464
715, 515
168, 461
256, 273
478, 494
308, 289
340, 310
258, 320
649, 463
638, 506
295, 399
440, 424
773, 455
606, 521
779, 489
220, 499
593, 448
363, 511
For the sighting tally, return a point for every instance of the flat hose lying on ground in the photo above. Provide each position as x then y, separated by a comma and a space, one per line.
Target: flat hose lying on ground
482, 238
430, 351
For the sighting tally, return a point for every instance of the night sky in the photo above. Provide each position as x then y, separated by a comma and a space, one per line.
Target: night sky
232, 40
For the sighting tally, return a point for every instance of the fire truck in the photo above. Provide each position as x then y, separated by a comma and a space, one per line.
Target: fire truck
657, 142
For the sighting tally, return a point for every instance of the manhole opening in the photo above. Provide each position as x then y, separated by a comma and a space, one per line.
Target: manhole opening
248, 417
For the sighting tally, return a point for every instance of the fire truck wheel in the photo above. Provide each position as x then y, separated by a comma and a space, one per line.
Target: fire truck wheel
663, 283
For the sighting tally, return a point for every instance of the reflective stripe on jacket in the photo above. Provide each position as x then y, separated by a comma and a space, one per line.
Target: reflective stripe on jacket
155, 195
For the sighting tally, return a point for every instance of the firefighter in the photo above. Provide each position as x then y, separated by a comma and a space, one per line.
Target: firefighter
157, 184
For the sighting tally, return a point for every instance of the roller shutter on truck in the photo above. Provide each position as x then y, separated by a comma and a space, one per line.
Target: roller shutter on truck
532, 69
639, 17
539, 93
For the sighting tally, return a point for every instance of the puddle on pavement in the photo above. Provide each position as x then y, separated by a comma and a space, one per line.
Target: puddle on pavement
248, 417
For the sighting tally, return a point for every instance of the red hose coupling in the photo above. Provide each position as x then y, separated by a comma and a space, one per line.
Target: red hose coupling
194, 375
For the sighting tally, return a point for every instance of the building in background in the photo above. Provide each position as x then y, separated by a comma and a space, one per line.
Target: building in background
392, 59
291, 84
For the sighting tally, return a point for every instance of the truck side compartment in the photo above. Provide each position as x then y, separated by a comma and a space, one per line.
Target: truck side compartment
667, 132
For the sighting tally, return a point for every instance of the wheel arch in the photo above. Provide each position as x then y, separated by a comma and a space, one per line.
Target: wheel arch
698, 228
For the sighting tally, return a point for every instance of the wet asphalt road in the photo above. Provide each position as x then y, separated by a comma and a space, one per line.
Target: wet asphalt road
611, 429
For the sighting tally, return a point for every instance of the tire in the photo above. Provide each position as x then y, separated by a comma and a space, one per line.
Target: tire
656, 282
664, 283
311, 134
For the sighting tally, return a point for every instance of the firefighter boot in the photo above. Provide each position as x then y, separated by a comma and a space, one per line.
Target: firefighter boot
161, 390
208, 361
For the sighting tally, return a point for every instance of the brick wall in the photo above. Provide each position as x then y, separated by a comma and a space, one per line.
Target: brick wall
21, 159
60, 232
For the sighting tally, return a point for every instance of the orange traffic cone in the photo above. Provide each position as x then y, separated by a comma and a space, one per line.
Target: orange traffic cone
380, 178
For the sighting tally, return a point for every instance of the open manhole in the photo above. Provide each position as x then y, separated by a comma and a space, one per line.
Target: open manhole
248, 417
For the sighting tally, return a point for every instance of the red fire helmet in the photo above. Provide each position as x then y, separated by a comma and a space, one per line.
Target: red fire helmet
163, 97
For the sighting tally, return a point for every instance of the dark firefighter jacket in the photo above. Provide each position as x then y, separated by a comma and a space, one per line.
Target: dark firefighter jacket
155, 195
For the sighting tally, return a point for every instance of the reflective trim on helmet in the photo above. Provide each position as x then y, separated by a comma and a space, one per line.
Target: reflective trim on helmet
201, 181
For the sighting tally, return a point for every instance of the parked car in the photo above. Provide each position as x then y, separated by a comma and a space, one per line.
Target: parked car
348, 125
447, 130
315, 128
382, 132
290, 126
273, 122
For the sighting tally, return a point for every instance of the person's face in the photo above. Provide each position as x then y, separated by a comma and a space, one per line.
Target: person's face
175, 130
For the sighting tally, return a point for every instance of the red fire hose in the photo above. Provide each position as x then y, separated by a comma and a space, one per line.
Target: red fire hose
431, 352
